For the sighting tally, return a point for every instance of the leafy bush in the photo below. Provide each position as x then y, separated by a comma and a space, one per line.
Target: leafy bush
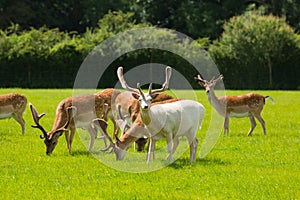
45, 57
258, 52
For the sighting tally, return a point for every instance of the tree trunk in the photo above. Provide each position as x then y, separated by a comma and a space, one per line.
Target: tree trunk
270, 73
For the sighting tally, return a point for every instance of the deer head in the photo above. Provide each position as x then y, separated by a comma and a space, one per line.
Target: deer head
208, 85
51, 138
101, 125
144, 99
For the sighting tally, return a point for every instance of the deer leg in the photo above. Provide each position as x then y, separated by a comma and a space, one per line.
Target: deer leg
67, 140
20, 120
226, 124
93, 134
170, 147
175, 144
134, 146
253, 124
193, 150
151, 149
262, 122
73, 130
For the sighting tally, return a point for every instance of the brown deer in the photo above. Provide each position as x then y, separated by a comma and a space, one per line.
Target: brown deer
126, 110
76, 112
13, 105
246, 105
169, 119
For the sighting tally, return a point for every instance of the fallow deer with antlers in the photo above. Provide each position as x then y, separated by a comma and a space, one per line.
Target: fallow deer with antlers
13, 105
246, 105
126, 109
76, 112
169, 119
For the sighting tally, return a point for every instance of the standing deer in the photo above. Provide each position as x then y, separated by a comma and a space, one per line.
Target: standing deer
13, 105
168, 119
126, 109
76, 112
246, 105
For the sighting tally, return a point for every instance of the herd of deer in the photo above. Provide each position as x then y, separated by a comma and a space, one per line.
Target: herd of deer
139, 115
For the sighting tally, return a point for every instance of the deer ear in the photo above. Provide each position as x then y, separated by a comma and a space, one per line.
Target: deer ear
153, 96
135, 95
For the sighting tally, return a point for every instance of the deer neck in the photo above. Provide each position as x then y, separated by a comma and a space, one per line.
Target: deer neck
219, 105
60, 121
146, 116
125, 141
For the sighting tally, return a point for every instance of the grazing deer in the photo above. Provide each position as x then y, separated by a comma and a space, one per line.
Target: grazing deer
247, 105
76, 112
168, 119
13, 105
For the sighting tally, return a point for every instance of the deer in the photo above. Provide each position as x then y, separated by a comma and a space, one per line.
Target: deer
247, 105
168, 119
76, 112
13, 105
126, 110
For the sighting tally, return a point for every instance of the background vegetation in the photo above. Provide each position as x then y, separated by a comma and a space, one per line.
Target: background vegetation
239, 167
43, 43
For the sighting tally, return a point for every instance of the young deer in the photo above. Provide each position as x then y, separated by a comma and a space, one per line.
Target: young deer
13, 105
168, 119
247, 105
75, 112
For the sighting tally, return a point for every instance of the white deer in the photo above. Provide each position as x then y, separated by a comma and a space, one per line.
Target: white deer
125, 109
13, 105
168, 119
246, 105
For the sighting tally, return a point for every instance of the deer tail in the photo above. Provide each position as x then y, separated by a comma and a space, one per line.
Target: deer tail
270, 98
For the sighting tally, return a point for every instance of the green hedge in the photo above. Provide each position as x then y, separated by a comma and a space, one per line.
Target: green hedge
250, 46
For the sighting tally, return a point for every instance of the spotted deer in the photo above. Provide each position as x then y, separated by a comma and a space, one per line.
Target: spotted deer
13, 105
76, 112
169, 119
246, 105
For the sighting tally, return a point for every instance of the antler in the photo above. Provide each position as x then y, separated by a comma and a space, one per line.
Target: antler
122, 121
220, 77
200, 78
36, 119
123, 82
138, 90
165, 86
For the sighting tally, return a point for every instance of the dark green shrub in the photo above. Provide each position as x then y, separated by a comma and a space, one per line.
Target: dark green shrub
258, 52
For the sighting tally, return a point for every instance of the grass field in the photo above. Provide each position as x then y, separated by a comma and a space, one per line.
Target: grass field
239, 167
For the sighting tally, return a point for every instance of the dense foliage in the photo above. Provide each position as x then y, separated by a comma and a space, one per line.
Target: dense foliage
196, 18
46, 46
258, 51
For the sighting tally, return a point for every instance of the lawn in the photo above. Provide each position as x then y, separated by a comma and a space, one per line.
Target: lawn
238, 167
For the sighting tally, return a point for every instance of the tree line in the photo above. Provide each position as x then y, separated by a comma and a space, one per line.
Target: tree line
196, 18
252, 42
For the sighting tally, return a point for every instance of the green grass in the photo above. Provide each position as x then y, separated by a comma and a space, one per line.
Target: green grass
239, 167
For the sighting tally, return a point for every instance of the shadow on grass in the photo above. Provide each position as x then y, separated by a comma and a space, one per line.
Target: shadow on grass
81, 153
183, 162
